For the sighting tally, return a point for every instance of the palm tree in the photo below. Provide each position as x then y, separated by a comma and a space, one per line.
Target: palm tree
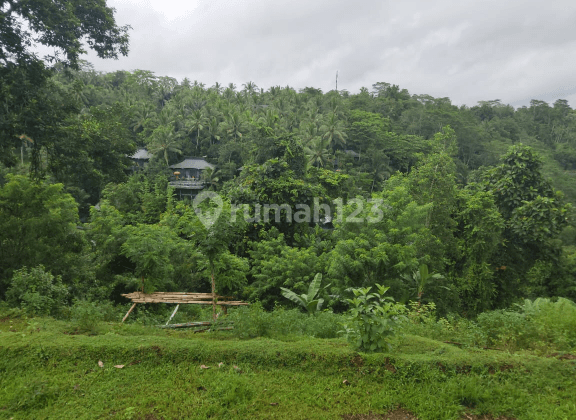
196, 123
214, 130
167, 117
163, 141
235, 125
308, 132
211, 177
317, 152
229, 93
379, 167
269, 119
218, 88
333, 131
250, 87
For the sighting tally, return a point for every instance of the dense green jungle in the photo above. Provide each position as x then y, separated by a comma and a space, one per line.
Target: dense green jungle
480, 195
390, 246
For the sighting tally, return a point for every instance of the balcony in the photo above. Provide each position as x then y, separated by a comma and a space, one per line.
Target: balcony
187, 184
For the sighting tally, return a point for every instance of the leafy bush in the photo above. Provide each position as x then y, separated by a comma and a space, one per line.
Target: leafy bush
552, 322
373, 319
85, 316
325, 324
309, 301
254, 321
250, 322
37, 291
505, 328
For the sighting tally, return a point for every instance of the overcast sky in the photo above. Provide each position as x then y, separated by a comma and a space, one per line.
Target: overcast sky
465, 50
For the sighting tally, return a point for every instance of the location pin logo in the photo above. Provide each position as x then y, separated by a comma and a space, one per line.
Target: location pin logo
209, 214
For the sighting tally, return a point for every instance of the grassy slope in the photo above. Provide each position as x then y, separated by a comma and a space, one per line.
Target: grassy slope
45, 373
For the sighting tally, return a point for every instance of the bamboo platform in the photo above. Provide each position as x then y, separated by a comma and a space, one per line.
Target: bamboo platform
200, 326
181, 298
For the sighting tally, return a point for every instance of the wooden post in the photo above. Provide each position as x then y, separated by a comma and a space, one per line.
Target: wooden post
173, 313
213, 297
128, 313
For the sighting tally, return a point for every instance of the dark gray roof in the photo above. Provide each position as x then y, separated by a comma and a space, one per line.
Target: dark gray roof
141, 154
352, 153
192, 163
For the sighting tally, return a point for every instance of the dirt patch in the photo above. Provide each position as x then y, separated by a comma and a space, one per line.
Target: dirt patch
357, 361
157, 349
401, 414
566, 356
398, 414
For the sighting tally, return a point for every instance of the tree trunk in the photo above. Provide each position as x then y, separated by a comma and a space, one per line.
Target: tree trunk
213, 293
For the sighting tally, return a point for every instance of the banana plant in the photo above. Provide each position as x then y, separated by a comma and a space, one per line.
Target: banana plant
420, 279
308, 301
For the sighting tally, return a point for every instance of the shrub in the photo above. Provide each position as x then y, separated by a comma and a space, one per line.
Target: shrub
254, 321
251, 321
505, 328
325, 324
373, 319
309, 301
85, 316
37, 291
553, 322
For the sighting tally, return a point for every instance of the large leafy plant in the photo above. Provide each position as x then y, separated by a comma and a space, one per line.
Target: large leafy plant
373, 319
420, 279
308, 301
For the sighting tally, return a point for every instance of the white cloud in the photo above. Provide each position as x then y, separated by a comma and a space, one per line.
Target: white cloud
465, 50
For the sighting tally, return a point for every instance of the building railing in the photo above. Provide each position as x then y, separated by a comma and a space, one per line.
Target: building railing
187, 184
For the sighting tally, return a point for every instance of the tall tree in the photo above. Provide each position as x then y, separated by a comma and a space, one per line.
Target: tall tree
38, 225
63, 25
534, 214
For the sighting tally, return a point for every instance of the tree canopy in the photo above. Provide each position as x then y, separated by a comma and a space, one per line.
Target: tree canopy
63, 24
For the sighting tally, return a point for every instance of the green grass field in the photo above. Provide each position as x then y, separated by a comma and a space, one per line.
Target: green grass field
48, 373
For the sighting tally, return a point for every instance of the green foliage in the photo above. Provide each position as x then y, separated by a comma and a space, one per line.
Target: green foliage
38, 226
31, 105
421, 278
384, 242
433, 182
479, 239
153, 249
141, 199
213, 244
554, 321
533, 212
37, 291
274, 183
91, 151
373, 319
276, 265
40, 376
496, 240
310, 301
254, 321
86, 316
61, 27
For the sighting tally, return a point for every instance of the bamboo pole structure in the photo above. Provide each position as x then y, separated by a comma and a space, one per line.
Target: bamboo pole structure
173, 313
183, 298
128, 313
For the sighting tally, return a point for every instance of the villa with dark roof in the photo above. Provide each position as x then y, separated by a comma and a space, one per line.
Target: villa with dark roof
187, 176
140, 159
